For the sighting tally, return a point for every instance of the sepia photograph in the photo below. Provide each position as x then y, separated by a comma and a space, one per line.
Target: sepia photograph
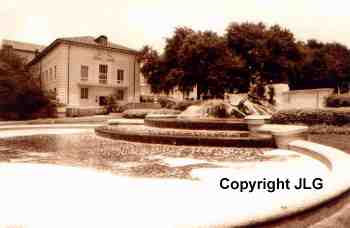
174, 114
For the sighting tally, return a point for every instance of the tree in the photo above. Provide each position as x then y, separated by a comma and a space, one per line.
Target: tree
270, 52
248, 55
191, 59
337, 63
324, 65
208, 63
154, 71
20, 94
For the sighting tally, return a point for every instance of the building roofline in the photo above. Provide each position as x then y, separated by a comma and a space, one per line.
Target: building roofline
58, 41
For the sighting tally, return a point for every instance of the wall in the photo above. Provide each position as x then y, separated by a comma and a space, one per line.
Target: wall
312, 98
68, 60
296, 99
92, 58
57, 57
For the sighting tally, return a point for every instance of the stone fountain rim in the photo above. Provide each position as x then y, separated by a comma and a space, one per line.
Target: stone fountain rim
338, 159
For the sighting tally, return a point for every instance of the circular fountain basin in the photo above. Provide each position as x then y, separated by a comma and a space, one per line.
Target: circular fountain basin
198, 124
59, 196
181, 137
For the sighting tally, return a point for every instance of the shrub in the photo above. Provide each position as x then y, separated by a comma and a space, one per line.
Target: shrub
183, 105
312, 117
216, 108
329, 129
148, 99
167, 102
336, 101
142, 113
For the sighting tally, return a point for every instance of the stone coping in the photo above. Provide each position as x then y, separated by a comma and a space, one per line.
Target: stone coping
303, 91
281, 130
258, 117
198, 124
335, 183
64, 120
48, 126
161, 116
125, 122
250, 141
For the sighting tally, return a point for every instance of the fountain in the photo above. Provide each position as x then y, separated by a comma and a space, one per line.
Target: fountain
217, 124
213, 123
214, 165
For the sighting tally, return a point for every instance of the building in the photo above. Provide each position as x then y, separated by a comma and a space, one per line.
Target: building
25, 50
84, 71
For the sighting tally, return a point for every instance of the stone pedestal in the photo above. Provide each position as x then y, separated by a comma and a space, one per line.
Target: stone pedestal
256, 121
284, 134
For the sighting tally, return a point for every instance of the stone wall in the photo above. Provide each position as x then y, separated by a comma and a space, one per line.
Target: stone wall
296, 99
312, 98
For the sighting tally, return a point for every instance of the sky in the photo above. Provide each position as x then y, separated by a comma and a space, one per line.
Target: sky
135, 23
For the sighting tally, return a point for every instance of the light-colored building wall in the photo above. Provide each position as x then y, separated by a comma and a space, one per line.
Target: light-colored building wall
295, 99
311, 98
57, 80
68, 60
93, 58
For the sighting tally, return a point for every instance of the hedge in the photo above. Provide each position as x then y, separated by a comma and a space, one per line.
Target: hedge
337, 117
142, 113
329, 129
338, 101
183, 105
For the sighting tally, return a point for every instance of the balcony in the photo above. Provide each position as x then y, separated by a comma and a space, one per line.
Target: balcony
103, 85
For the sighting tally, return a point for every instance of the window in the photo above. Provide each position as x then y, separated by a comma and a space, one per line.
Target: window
103, 74
55, 91
46, 75
50, 74
120, 76
120, 95
55, 73
84, 93
84, 73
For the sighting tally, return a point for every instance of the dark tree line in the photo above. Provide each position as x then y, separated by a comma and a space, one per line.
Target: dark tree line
247, 53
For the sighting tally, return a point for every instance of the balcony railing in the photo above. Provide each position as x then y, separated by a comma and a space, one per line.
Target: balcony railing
103, 81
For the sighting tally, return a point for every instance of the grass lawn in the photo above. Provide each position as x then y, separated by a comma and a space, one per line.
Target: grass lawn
339, 141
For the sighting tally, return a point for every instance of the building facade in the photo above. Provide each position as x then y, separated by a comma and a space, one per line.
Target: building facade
84, 71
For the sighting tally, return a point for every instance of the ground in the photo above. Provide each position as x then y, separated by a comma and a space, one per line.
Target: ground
130, 159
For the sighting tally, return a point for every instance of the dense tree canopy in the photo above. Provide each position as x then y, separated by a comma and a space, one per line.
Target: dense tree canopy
246, 53
324, 65
20, 94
